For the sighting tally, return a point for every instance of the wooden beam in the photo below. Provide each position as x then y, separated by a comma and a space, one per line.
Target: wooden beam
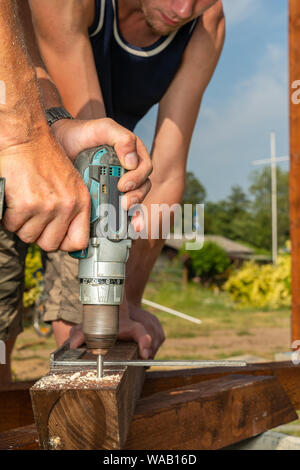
209, 415
15, 405
23, 438
75, 410
287, 374
294, 59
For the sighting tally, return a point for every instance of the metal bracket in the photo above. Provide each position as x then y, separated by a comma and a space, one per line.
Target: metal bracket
65, 358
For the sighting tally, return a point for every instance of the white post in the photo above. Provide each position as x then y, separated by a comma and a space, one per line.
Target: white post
274, 198
273, 161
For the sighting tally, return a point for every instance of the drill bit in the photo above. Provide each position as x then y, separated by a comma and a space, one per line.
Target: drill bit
99, 366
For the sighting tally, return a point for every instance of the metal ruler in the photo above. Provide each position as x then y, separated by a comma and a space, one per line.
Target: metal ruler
65, 358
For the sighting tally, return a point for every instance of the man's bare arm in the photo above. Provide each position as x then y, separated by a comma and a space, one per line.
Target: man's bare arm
177, 115
62, 32
35, 168
19, 120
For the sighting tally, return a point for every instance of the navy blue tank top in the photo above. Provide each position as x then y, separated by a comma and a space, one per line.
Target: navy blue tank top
133, 79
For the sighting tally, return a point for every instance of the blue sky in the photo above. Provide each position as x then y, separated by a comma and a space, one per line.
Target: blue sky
246, 99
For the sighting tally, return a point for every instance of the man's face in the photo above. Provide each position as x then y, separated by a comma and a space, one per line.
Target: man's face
166, 16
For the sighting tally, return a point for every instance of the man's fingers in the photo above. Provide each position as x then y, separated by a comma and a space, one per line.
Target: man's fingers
14, 220
32, 229
139, 334
135, 178
136, 197
78, 234
76, 337
144, 340
129, 148
108, 132
157, 333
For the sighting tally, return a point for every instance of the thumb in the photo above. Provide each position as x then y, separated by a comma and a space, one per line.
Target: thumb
76, 337
143, 339
140, 335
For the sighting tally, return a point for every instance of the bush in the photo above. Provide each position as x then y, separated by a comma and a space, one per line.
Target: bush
262, 286
209, 262
33, 288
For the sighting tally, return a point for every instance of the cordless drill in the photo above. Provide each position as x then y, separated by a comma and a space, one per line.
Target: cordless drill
102, 263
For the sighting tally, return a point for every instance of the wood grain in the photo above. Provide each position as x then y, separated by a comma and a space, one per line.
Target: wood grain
209, 415
15, 405
88, 414
287, 374
23, 438
294, 187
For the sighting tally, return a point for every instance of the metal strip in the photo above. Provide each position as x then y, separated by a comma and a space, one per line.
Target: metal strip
149, 363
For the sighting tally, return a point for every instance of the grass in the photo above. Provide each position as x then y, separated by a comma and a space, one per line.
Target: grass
216, 310
288, 428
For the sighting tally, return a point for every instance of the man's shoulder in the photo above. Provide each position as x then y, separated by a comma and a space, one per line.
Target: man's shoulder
210, 27
210, 20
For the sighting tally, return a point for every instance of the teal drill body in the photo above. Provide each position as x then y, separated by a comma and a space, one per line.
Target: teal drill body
102, 263
101, 170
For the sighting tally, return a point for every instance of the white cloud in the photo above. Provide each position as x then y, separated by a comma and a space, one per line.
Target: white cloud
234, 132
237, 11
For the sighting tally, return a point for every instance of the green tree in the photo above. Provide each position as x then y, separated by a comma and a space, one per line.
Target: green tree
230, 216
208, 263
194, 191
260, 231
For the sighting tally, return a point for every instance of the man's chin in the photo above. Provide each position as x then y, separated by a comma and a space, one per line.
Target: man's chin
160, 29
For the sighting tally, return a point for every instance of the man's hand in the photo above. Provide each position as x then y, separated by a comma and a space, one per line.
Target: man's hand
142, 327
136, 325
47, 201
76, 135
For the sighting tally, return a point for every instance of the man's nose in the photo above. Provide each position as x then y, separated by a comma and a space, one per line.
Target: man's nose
183, 8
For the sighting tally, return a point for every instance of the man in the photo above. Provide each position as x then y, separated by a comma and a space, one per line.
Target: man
118, 58
47, 201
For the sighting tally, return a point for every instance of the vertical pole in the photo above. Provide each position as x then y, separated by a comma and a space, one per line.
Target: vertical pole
274, 198
294, 56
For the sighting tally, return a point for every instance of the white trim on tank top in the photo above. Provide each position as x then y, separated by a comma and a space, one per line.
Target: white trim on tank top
126, 47
101, 19
138, 52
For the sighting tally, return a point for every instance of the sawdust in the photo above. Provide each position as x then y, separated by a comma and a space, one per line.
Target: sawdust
55, 443
80, 380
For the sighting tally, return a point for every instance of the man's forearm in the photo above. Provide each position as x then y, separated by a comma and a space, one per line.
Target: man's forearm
137, 272
144, 253
49, 94
21, 115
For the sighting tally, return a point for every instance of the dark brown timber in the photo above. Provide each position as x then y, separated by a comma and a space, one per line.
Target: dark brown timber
23, 438
287, 374
15, 405
74, 412
209, 415
294, 41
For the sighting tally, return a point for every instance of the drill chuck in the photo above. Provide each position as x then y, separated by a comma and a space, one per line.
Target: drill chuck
100, 326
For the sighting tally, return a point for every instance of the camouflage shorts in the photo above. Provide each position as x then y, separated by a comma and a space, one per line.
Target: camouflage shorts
61, 285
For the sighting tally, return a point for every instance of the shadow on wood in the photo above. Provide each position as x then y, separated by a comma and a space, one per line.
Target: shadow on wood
15, 405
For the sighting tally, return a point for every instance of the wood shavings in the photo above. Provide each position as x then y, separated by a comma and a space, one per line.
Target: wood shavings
80, 380
55, 443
